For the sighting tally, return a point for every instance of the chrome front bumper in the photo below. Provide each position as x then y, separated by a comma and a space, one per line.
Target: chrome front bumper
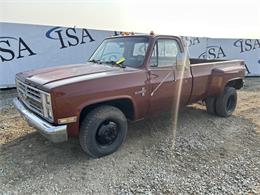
53, 133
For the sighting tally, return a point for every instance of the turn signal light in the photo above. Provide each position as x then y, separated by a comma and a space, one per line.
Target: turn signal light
67, 120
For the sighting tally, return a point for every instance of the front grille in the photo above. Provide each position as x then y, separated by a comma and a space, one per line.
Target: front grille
30, 96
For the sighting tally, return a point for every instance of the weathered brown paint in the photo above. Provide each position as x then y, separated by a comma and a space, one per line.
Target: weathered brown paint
73, 87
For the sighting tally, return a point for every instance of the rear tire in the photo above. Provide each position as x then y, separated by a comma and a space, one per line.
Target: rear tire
103, 131
226, 102
211, 105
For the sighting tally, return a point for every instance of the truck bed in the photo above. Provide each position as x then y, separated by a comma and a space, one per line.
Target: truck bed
201, 61
209, 76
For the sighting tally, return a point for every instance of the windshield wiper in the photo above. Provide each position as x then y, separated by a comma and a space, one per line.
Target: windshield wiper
119, 62
109, 62
95, 61
114, 63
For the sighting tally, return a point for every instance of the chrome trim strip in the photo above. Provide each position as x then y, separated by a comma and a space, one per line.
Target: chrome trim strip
53, 133
164, 79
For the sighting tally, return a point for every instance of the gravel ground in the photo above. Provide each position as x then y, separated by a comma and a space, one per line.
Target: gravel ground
212, 155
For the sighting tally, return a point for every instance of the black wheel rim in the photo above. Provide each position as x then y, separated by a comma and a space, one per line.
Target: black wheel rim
107, 133
231, 103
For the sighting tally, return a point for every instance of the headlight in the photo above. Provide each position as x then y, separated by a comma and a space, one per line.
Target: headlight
47, 107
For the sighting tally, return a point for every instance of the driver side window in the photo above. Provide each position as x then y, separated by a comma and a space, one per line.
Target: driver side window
164, 53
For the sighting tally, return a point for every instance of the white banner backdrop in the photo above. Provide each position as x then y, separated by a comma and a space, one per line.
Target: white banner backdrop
25, 47
210, 48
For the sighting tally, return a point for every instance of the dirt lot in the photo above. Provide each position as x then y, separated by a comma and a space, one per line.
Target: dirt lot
212, 155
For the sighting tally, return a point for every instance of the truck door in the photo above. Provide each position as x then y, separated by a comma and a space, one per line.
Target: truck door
164, 78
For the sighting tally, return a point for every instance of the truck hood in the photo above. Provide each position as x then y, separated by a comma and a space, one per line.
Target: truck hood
53, 74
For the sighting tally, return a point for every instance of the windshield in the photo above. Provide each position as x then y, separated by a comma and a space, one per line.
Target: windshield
131, 49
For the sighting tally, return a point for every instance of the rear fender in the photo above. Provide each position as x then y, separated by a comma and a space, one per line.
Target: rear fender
224, 76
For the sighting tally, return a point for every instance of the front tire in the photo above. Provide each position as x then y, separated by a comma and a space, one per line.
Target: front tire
103, 131
226, 102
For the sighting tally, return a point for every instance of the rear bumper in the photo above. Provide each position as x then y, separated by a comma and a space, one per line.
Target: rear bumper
55, 134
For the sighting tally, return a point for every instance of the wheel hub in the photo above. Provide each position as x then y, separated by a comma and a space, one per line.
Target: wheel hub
107, 133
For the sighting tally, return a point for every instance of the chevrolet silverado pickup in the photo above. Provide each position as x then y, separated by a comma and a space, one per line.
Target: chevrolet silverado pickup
128, 78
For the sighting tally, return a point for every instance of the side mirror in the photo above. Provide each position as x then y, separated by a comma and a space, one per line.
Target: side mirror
182, 61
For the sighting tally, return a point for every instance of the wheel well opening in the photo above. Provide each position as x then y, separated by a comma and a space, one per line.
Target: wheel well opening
125, 105
237, 84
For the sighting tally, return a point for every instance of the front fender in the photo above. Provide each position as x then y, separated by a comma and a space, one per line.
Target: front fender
108, 99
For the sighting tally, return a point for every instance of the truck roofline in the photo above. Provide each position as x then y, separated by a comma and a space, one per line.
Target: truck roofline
145, 35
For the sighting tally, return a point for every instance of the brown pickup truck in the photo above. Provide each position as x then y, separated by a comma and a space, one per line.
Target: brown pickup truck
128, 78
